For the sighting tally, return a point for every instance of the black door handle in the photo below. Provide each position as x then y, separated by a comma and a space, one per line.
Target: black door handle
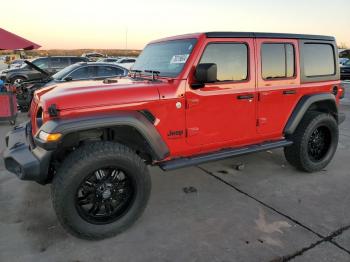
248, 96
289, 92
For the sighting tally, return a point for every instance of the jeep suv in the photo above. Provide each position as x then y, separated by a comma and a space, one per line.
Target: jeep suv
190, 99
47, 66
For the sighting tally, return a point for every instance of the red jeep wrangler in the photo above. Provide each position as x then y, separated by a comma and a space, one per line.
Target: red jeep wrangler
189, 99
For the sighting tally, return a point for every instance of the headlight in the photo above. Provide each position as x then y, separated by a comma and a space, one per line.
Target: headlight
49, 137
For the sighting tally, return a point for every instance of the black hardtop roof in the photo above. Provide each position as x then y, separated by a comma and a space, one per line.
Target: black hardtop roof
267, 35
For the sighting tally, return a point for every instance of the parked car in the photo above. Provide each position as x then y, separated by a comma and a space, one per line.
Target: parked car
345, 70
93, 56
126, 62
39, 68
16, 64
109, 59
75, 72
343, 60
189, 100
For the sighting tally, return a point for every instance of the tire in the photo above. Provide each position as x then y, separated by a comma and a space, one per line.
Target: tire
77, 168
17, 79
310, 151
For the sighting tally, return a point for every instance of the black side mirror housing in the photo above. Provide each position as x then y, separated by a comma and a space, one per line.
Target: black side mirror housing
206, 73
68, 78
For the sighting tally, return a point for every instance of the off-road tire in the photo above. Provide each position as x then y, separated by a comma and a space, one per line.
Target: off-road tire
75, 169
297, 154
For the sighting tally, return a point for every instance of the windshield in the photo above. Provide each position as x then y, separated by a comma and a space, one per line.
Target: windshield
61, 74
167, 57
347, 63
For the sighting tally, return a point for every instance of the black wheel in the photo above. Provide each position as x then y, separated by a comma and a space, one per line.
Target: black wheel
314, 142
17, 80
100, 190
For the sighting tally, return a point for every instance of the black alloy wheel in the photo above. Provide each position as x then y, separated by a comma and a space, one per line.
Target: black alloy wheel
104, 195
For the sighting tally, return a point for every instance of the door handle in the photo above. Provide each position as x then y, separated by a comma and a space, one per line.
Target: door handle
289, 92
248, 96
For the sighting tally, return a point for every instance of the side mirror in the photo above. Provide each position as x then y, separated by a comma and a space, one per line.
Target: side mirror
206, 73
68, 78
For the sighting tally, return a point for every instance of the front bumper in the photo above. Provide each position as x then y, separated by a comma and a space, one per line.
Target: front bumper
23, 158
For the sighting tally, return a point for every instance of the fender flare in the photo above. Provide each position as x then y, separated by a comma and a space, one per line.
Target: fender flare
124, 118
303, 105
11, 76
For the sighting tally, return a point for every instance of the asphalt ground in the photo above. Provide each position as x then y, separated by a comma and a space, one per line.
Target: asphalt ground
251, 208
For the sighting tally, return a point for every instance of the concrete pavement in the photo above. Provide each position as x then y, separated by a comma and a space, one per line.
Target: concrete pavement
267, 211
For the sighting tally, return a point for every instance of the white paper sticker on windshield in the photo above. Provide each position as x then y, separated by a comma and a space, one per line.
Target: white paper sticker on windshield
179, 59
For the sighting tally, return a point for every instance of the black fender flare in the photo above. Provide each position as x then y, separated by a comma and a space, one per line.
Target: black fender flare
13, 75
303, 105
124, 118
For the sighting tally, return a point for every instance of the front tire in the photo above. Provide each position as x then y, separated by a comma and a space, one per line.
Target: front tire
100, 190
314, 142
17, 80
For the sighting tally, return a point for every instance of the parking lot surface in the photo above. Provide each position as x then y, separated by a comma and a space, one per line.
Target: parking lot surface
251, 208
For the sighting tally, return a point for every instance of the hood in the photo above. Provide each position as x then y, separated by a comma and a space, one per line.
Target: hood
13, 70
94, 94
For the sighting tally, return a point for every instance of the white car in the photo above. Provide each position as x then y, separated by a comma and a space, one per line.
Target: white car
126, 62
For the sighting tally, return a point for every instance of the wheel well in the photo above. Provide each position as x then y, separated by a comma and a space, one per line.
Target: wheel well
17, 76
126, 135
325, 106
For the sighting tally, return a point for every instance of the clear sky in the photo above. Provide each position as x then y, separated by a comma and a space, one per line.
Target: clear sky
72, 24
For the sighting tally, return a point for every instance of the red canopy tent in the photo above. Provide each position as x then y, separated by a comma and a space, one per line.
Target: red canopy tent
10, 41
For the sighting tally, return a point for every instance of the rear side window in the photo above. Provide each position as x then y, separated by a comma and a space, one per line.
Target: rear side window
74, 60
108, 71
277, 61
231, 60
59, 62
319, 59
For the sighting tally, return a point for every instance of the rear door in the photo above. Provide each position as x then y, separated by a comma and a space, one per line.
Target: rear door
278, 83
224, 111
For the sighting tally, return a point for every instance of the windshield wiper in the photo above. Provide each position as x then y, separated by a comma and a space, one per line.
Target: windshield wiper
135, 71
154, 73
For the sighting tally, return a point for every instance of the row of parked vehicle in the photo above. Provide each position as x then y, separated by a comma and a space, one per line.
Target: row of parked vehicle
29, 76
344, 68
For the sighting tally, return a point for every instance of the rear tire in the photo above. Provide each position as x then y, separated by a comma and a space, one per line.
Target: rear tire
90, 200
314, 142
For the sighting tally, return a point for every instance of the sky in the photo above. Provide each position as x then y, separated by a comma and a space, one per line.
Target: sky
74, 24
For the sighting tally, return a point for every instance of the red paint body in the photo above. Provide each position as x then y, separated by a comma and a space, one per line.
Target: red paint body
212, 117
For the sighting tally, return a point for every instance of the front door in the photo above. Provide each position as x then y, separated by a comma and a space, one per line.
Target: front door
224, 112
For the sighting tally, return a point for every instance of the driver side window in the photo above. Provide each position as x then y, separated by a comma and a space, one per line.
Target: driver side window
231, 60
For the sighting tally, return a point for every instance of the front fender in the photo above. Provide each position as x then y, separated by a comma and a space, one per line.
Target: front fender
125, 118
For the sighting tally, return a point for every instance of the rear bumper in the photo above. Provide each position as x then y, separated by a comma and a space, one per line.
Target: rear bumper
22, 158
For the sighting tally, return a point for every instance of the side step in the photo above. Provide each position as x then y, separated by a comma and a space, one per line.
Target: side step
222, 154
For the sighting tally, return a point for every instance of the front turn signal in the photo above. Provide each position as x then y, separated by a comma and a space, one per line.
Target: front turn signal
49, 137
